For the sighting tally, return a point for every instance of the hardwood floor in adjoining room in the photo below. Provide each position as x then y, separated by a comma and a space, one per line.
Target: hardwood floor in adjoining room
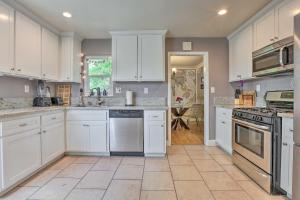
193, 136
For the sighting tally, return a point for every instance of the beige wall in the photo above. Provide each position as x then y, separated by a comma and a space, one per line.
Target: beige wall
218, 51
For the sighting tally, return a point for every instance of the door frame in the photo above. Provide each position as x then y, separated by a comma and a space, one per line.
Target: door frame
206, 92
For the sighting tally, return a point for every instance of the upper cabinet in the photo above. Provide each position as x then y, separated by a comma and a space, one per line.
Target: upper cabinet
138, 56
50, 55
70, 54
240, 55
6, 38
276, 25
28, 47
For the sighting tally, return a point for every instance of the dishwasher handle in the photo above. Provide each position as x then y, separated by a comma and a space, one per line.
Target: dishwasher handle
126, 114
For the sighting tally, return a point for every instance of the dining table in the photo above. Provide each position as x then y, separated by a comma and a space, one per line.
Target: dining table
178, 112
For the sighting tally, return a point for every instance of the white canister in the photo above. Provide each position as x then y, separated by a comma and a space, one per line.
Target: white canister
129, 98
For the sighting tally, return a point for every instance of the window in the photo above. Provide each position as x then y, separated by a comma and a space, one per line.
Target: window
98, 74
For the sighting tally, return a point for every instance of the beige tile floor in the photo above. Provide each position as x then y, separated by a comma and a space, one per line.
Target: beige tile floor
189, 172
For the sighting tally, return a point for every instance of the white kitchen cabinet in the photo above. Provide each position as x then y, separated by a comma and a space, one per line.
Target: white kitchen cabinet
138, 55
50, 55
70, 55
87, 135
6, 39
224, 128
152, 57
125, 58
53, 136
154, 133
287, 156
285, 13
264, 30
21, 156
27, 47
240, 55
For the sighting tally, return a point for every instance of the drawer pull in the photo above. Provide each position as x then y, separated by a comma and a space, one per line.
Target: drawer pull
223, 122
86, 125
291, 130
44, 131
53, 118
22, 125
284, 144
155, 116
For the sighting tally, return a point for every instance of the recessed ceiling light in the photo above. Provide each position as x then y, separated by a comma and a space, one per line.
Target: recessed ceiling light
67, 14
222, 12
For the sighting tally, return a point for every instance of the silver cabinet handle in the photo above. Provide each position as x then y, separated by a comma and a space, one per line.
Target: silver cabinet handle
44, 131
284, 144
276, 38
53, 118
86, 125
135, 76
12, 69
19, 70
162, 126
291, 130
223, 122
272, 39
22, 125
155, 116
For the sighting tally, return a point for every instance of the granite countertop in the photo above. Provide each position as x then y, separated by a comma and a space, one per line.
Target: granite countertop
231, 106
286, 115
33, 110
30, 110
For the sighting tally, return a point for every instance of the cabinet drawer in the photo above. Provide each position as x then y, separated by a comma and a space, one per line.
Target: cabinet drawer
90, 115
155, 115
20, 125
223, 112
54, 118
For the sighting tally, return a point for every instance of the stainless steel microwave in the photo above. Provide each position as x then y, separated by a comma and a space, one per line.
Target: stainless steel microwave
275, 58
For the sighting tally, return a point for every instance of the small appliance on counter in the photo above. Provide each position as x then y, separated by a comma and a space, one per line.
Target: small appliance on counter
57, 101
245, 98
42, 102
129, 98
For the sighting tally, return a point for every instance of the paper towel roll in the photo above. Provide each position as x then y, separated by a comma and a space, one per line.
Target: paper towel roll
129, 98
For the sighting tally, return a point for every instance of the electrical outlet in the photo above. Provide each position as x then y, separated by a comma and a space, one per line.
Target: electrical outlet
258, 88
118, 90
146, 91
26, 88
212, 90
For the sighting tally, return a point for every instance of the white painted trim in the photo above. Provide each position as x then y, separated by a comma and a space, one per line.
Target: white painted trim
139, 32
257, 16
206, 93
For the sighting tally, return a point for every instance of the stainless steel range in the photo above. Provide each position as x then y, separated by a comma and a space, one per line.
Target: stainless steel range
257, 140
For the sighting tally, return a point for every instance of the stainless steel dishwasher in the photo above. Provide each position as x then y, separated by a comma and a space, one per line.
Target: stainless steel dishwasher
126, 132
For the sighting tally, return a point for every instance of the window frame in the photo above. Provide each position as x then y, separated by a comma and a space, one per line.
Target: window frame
87, 76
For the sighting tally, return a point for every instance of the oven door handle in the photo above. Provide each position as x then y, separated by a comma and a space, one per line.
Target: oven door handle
266, 128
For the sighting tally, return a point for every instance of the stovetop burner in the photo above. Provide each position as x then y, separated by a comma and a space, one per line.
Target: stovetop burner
269, 112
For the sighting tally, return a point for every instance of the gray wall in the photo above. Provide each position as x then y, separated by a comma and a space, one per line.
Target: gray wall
218, 67
11, 87
217, 49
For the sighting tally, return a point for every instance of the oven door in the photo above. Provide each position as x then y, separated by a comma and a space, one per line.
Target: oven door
275, 61
253, 142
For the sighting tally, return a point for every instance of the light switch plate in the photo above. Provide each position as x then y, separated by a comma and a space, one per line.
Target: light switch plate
212, 90
258, 88
146, 91
26, 88
118, 90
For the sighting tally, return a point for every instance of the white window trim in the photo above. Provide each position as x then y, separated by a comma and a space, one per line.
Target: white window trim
87, 79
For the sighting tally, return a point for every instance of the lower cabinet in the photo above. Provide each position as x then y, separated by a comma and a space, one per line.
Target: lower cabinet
21, 156
155, 133
87, 135
224, 128
287, 156
53, 142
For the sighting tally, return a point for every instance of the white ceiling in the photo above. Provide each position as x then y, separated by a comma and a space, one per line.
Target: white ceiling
183, 18
185, 61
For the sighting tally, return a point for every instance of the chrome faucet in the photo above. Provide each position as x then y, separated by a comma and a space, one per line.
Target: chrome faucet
99, 100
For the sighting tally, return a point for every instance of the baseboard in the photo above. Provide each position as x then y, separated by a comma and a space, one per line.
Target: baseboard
210, 143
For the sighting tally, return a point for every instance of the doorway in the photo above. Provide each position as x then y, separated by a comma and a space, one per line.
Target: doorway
187, 98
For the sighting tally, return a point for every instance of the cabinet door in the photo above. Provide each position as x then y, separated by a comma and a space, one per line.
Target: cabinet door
240, 55
53, 142
76, 68
228, 136
264, 30
78, 136
98, 136
125, 58
155, 137
50, 49
151, 58
220, 127
6, 38
28, 47
66, 52
285, 18
21, 156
